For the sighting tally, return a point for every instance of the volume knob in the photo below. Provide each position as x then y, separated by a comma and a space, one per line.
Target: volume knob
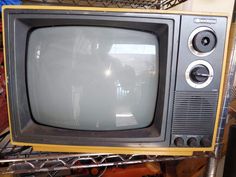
192, 142
204, 41
205, 142
179, 142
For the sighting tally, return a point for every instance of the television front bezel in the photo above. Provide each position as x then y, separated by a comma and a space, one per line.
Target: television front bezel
25, 129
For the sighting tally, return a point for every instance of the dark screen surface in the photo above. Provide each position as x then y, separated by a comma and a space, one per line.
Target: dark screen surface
92, 78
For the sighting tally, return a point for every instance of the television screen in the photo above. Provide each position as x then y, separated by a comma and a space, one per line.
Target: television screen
92, 78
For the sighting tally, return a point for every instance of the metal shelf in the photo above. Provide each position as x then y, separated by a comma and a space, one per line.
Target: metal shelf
143, 4
19, 160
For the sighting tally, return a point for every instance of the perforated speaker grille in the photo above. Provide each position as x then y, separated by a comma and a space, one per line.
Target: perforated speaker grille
194, 113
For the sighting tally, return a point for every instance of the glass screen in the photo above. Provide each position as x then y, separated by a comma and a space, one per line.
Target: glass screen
92, 78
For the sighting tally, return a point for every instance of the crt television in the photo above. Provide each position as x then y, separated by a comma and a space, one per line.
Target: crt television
114, 80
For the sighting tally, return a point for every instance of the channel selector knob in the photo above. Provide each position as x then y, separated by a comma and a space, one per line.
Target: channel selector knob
199, 74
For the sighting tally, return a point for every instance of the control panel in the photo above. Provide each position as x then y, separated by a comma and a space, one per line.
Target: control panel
198, 79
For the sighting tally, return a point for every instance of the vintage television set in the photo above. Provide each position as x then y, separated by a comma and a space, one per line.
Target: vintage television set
114, 80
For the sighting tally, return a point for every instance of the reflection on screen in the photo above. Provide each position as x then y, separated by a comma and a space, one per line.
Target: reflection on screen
92, 78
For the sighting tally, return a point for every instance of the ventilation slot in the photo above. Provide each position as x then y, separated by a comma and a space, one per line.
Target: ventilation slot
194, 113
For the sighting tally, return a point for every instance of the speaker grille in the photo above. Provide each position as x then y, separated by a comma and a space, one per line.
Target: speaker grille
194, 113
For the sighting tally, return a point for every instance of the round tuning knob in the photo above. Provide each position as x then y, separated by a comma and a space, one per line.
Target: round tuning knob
202, 41
199, 74
179, 142
205, 142
192, 142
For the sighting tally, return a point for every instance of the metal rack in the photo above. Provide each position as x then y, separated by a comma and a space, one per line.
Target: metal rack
143, 4
24, 160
